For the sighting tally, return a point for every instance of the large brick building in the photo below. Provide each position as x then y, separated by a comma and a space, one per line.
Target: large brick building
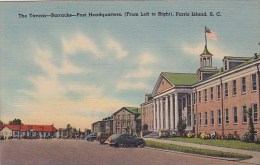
210, 100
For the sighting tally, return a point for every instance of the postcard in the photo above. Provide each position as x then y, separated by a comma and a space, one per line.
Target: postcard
133, 75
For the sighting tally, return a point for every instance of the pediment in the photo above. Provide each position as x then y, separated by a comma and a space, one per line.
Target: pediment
162, 85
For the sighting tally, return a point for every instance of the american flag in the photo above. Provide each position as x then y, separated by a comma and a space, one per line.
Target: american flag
211, 34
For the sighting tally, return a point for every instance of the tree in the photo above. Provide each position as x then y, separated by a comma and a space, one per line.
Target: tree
181, 126
145, 127
16, 122
69, 130
1, 122
251, 129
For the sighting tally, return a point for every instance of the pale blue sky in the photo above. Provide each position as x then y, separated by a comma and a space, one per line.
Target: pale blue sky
79, 70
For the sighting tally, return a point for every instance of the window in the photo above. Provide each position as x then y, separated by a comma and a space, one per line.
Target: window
118, 116
255, 114
206, 118
226, 89
123, 116
129, 116
253, 81
218, 91
226, 65
244, 114
205, 95
194, 119
212, 117
235, 115
199, 118
219, 117
199, 96
243, 85
227, 116
211, 93
194, 98
234, 87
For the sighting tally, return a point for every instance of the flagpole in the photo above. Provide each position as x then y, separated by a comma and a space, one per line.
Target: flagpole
205, 37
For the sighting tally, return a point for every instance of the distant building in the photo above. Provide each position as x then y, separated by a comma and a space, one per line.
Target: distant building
147, 112
25, 131
99, 126
127, 120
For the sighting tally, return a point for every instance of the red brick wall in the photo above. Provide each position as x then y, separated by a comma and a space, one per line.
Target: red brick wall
147, 115
229, 102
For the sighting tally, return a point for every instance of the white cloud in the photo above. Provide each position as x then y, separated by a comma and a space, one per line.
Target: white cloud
147, 59
50, 99
140, 73
120, 52
217, 52
126, 85
79, 43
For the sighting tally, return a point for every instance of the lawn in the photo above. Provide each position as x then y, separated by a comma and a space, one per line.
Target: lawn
195, 150
220, 143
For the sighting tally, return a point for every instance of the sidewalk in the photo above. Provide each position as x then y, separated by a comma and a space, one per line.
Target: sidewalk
256, 155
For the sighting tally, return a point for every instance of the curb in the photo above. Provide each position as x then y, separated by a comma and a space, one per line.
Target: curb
197, 155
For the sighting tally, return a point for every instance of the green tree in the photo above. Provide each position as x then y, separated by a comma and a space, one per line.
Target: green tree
251, 129
145, 127
16, 122
1, 122
181, 126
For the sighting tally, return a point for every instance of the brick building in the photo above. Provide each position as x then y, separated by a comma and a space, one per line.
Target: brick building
210, 100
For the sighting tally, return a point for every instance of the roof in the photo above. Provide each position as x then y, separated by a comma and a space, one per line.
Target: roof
181, 78
14, 127
1, 127
236, 58
134, 110
250, 60
35, 128
205, 52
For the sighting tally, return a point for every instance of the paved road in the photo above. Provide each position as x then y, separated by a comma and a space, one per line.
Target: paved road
81, 152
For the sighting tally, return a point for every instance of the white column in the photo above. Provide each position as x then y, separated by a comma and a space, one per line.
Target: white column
171, 113
176, 110
157, 108
154, 108
161, 108
191, 111
166, 113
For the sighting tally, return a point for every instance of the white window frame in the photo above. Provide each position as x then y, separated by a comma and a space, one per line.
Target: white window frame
243, 85
219, 117
218, 92
211, 93
244, 113
255, 111
212, 120
226, 89
200, 120
235, 122
253, 83
206, 118
234, 87
205, 95
227, 115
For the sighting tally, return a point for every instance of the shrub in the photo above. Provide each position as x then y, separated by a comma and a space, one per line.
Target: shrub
205, 136
245, 137
190, 134
214, 135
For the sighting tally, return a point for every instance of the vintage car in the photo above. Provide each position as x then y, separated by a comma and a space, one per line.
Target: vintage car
125, 140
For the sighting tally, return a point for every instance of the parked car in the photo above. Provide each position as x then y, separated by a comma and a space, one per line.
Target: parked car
91, 137
102, 137
125, 140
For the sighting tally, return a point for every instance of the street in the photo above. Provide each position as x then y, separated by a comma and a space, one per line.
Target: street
82, 152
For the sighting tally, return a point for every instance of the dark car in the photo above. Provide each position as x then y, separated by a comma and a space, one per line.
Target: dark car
125, 140
152, 135
102, 137
91, 137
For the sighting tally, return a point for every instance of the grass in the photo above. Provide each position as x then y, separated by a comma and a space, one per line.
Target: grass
194, 150
220, 143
